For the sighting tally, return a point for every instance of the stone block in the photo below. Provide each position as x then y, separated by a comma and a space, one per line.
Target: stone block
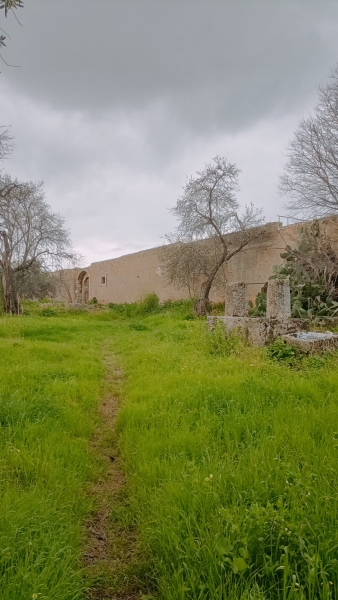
327, 343
278, 304
236, 299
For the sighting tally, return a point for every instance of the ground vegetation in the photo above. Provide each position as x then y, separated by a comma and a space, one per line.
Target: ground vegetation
227, 452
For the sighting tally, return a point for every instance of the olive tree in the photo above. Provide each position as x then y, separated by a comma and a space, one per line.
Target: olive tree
207, 211
310, 178
32, 237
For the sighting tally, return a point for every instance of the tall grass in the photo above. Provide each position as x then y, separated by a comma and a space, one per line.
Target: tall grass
50, 375
230, 455
232, 461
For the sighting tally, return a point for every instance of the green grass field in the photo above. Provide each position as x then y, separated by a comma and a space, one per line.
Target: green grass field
230, 455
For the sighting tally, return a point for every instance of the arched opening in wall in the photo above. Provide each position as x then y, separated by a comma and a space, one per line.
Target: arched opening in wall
85, 289
82, 288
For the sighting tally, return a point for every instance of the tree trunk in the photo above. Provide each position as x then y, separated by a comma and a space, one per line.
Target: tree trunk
10, 299
203, 300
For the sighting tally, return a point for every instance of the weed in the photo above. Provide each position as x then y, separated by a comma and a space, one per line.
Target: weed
282, 352
219, 342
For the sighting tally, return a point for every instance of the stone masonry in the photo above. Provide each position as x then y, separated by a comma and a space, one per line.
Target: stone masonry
259, 331
278, 304
236, 299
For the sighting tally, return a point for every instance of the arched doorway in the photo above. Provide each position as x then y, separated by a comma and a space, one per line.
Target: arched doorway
82, 288
85, 289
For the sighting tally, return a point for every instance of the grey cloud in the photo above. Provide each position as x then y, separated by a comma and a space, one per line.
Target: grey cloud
215, 63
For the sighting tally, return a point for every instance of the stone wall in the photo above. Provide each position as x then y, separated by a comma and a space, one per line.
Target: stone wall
129, 278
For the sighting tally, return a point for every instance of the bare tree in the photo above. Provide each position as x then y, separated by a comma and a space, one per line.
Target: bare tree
6, 142
310, 177
208, 211
31, 235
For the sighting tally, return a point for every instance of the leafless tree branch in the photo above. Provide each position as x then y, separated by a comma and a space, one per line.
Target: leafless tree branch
207, 211
32, 237
310, 178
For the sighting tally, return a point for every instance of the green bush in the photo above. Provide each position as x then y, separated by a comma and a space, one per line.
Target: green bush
149, 304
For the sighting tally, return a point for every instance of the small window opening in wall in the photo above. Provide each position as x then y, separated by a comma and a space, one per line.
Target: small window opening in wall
103, 281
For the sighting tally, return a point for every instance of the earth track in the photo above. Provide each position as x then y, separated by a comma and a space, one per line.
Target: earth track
111, 560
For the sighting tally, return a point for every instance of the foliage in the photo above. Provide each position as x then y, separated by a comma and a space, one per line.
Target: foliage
312, 268
149, 304
282, 352
10, 4
259, 309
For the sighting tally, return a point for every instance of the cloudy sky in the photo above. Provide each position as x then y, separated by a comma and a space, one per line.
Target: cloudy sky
115, 102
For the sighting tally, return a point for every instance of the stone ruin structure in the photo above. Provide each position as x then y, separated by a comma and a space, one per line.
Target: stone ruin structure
259, 331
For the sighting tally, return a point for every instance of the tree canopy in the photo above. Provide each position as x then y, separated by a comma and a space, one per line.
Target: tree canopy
208, 210
310, 178
32, 236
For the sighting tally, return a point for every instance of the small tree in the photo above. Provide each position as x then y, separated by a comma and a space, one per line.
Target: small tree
32, 237
310, 177
208, 211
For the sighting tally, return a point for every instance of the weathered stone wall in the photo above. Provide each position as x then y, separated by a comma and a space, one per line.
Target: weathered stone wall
131, 277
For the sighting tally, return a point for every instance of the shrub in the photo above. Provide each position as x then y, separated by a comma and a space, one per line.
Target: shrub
149, 304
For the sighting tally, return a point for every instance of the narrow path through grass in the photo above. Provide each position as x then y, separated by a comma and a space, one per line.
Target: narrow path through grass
112, 557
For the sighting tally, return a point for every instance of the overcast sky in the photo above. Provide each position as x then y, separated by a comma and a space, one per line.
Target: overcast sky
116, 102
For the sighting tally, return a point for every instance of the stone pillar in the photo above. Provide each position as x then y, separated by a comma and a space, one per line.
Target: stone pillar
278, 304
236, 299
